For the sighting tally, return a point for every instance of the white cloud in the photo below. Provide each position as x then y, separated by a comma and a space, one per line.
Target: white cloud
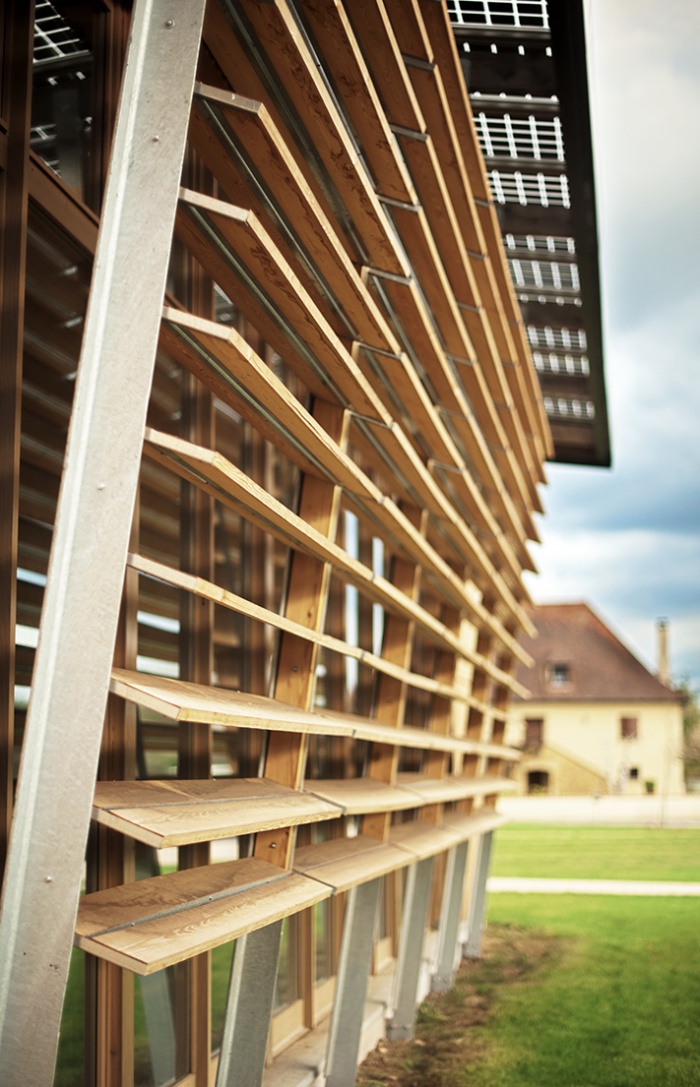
628, 540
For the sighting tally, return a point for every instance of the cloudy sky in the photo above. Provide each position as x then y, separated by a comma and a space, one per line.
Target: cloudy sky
628, 540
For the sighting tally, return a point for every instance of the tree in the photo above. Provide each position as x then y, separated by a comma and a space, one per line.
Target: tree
691, 729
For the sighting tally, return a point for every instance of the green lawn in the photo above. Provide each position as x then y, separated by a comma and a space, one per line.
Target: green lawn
616, 1002
614, 1005
597, 852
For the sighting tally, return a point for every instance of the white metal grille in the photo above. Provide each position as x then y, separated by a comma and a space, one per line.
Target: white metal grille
551, 363
566, 407
524, 13
537, 244
521, 137
545, 275
520, 188
53, 36
561, 339
43, 141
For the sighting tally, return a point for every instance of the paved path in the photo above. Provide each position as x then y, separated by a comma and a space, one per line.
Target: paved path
640, 811
590, 886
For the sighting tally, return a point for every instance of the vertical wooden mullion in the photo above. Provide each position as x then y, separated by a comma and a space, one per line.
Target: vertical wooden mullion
501, 698
476, 720
307, 598
435, 764
197, 555
364, 623
196, 661
307, 601
110, 990
14, 182
255, 548
390, 697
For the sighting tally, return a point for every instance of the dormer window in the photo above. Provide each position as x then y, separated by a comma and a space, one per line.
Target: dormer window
558, 674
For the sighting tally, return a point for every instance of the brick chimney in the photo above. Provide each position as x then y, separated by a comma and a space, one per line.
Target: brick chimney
662, 645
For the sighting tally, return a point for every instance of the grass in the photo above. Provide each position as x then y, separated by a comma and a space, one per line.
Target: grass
572, 991
616, 1005
647, 853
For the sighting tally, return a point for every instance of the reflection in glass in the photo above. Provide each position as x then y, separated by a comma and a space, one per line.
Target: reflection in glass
62, 95
221, 963
324, 948
287, 988
160, 1009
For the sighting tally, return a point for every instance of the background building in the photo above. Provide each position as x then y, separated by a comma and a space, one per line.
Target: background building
596, 721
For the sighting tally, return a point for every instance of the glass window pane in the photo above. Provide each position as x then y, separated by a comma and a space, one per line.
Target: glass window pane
221, 963
287, 988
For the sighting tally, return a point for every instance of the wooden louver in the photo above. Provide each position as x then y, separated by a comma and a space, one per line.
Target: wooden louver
345, 232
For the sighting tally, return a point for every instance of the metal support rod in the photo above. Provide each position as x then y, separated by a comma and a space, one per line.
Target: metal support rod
415, 915
250, 998
86, 571
443, 978
351, 988
472, 948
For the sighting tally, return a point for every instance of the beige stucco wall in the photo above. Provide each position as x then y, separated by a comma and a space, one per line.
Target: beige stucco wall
583, 751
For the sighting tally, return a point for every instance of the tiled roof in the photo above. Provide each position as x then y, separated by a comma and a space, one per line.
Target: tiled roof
578, 658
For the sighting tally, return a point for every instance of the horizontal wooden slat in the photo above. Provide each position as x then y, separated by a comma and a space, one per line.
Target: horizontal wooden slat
468, 826
229, 132
450, 789
335, 38
304, 86
226, 482
194, 702
360, 796
154, 923
408, 304
209, 591
233, 246
346, 862
378, 41
224, 361
236, 250
421, 839
446, 460
170, 813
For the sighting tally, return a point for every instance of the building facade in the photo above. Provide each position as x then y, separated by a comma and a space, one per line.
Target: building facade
597, 721
272, 440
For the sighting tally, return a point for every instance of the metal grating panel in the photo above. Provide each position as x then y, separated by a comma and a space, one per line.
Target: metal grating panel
520, 188
522, 13
545, 275
520, 137
54, 38
552, 363
539, 244
569, 408
562, 338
